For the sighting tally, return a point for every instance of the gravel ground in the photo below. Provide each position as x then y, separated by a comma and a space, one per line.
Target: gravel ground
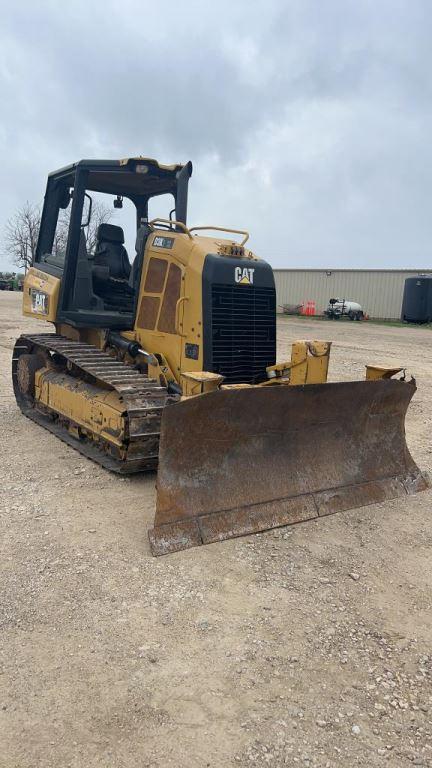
308, 645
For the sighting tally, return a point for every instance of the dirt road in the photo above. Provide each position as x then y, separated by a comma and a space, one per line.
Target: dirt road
309, 646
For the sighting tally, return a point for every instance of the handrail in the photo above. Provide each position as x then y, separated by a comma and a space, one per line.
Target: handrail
172, 222
177, 315
188, 231
225, 229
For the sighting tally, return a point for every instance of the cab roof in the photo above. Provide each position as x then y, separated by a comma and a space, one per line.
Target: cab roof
130, 177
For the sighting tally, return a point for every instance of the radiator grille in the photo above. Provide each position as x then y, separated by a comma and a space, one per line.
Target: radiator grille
243, 332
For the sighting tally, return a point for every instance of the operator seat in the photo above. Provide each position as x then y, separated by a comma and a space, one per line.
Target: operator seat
111, 270
110, 251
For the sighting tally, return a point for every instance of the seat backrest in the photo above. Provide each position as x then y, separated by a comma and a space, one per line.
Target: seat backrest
110, 251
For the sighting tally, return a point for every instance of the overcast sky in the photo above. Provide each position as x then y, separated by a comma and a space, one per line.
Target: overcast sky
308, 122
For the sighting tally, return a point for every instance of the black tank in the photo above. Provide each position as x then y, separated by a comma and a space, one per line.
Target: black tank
417, 299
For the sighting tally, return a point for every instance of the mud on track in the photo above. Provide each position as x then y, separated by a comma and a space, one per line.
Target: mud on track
263, 650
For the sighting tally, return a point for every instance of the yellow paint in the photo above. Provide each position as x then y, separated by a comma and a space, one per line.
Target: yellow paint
98, 412
47, 285
374, 372
162, 372
200, 382
94, 336
189, 254
309, 360
308, 365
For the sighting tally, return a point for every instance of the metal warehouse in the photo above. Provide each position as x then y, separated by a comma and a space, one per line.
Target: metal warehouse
379, 291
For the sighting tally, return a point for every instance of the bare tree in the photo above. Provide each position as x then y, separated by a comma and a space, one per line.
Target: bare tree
61, 233
22, 230
21, 234
101, 214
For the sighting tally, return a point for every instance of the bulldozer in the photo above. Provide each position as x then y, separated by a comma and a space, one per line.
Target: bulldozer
166, 358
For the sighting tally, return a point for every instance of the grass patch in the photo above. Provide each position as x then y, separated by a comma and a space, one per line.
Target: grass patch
372, 320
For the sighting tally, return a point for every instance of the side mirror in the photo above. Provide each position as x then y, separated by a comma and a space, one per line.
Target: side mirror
89, 211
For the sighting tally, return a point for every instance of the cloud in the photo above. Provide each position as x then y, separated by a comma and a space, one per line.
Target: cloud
308, 123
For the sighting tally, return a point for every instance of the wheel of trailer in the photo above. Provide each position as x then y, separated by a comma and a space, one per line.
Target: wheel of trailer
358, 316
351, 315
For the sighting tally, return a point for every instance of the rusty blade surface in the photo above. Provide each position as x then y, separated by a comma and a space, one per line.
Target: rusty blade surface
233, 462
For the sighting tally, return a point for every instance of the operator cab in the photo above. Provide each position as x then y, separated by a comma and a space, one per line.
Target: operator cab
79, 244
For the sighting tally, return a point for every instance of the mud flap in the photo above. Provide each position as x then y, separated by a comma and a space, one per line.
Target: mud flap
239, 461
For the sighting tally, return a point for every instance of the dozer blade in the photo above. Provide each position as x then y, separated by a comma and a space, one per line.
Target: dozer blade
238, 461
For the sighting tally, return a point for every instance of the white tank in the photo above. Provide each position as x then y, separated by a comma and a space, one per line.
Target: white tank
345, 306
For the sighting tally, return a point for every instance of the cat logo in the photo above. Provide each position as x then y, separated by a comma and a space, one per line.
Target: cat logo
243, 275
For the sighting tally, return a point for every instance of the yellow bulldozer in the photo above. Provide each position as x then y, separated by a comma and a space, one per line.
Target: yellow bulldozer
170, 363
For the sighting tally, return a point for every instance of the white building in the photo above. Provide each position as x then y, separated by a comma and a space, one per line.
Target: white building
379, 291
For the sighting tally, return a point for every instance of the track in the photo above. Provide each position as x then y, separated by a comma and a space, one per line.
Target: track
143, 399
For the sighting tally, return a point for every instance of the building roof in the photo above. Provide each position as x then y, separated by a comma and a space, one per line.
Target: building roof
339, 269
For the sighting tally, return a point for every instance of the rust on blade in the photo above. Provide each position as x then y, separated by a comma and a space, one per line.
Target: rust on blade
238, 461
258, 517
174, 537
340, 499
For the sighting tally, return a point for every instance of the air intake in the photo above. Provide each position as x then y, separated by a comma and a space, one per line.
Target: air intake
243, 332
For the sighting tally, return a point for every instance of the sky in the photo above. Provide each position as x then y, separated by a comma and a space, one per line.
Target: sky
308, 122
